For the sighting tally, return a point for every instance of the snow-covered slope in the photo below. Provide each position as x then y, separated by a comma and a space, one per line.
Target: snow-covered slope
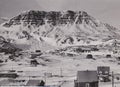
57, 28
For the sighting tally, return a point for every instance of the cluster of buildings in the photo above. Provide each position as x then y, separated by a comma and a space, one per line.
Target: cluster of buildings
84, 78
92, 78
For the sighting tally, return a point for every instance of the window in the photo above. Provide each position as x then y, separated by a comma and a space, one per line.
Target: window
87, 85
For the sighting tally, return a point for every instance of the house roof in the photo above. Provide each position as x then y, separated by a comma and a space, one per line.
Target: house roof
103, 68
87, 76
33, 83
11, 82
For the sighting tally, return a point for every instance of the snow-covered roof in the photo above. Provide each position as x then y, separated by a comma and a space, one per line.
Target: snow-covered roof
33, 83
87, 76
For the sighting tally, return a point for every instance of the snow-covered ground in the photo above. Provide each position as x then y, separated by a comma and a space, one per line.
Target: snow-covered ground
64, 66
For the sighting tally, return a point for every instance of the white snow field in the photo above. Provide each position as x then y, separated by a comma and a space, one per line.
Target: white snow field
63, 68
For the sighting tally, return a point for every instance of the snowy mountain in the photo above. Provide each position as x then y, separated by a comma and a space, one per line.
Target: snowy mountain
57, 29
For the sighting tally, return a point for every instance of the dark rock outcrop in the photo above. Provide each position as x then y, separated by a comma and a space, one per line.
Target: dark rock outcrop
54, 18
7, 47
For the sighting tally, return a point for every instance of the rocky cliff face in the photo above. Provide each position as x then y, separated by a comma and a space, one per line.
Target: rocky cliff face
58, 28
54, 18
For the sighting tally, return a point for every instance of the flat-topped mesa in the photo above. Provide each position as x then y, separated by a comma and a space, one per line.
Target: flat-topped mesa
54, 18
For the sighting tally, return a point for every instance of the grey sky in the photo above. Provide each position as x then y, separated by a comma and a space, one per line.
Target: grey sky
104, 10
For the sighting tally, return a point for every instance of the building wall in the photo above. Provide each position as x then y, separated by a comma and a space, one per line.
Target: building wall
86, 84
87, 76
103, 70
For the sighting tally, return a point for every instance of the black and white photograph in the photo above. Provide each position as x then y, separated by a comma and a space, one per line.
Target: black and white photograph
59, 43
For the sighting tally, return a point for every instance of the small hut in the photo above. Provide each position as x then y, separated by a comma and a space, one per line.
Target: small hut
8, 75
34, 55
89, 56
33, 83
108, 56
34, 62
48, 74
38, 51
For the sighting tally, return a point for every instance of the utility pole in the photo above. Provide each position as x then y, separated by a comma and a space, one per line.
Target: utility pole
45, 77
61, 72
28, 79
112, 79
115, 46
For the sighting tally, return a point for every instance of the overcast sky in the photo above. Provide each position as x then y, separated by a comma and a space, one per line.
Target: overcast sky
104, 10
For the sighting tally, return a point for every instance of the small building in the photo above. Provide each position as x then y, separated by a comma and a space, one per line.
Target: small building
70, 54
34, 62
103, 73
48, 74
8, 75
86, 79
33, 83
89, 56
103, 70
87, 50
38, 51
108, 56
34, 55
94, 49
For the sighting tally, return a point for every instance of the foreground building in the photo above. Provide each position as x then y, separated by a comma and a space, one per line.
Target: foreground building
86, 79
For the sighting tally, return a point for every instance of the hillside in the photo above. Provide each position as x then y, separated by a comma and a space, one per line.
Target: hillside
57, 28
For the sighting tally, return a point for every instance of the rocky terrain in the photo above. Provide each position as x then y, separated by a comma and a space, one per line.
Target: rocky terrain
37, 42
57, 29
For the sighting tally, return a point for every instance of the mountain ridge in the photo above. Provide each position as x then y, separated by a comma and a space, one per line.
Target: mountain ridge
59, 28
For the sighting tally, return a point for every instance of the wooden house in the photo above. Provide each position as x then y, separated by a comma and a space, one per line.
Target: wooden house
86, 79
